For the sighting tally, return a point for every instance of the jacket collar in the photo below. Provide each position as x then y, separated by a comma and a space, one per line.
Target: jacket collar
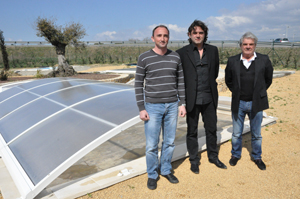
238, 63
190, 53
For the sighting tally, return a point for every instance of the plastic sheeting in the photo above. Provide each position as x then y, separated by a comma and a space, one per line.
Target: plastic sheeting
47, 122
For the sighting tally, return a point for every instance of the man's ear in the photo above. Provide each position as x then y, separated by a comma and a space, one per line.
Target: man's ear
152, 38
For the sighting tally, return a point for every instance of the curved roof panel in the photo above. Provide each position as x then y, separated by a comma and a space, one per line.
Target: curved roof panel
48, 124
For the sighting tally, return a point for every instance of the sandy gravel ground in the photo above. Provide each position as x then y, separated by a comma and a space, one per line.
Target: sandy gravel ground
103, 67
281, 153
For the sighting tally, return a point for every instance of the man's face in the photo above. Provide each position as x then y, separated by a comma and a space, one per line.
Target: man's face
248, 47
197, 35
161, 37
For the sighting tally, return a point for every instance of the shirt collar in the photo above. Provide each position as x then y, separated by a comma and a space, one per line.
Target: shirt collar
196, 48
253, 58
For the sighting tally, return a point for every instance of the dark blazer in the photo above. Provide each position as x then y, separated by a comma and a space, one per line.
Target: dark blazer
262, 81
190, 73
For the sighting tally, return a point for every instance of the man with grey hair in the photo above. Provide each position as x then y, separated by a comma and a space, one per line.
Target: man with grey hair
248, 76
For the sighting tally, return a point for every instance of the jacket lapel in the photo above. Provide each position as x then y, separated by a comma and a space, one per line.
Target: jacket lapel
190, 55
257, 64
209, 55
238, 69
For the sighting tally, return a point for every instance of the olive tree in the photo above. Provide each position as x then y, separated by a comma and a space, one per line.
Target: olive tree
4, 72
60, 37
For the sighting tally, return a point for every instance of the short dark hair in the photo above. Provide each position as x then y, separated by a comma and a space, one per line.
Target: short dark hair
201, 25
160, 26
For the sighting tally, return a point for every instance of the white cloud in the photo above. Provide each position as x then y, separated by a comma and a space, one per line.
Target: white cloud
175, 28
108, 35
225, 22
176, 32
139, 34
10, 39
270, 7
151, 27
267, 19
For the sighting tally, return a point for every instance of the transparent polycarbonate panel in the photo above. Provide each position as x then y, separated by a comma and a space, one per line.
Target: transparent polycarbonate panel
15, 123
116, 107
77, 94
18, 88
15, 102
48, 137
128, 145
57, 86
48, 145
124, 147
40, 82
9, 93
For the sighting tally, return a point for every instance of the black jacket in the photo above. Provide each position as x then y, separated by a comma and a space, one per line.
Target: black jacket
262, 81
190, 73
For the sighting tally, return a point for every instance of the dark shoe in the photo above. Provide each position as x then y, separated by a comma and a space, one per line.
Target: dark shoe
233, 160
195, 168
260, 164
171, 178
218, 163
152, 183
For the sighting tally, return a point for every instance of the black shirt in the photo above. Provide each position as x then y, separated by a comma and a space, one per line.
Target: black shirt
203, 87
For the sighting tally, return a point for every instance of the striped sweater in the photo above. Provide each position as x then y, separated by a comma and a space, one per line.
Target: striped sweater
159, 79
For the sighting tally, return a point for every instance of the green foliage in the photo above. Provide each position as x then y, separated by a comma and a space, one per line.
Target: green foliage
131, 187
111, 59
283, 57
29, 56
37, 56
225, 53
4, 52
295, 58
288, 58
39, 74
3, 75
58, 35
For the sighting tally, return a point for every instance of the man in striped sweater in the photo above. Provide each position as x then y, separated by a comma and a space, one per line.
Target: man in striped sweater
159, 84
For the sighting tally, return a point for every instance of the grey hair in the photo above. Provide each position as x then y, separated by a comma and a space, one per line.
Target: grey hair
248, 35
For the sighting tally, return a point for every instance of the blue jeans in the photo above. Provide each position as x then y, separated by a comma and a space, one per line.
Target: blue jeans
162, 116
255, 128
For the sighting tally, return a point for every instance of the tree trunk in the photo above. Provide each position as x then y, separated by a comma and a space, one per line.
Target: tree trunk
64, 69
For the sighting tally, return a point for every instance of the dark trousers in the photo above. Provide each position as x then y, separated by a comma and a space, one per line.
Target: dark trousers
209, 118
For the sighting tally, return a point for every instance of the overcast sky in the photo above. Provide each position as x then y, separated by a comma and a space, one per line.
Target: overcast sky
135, 19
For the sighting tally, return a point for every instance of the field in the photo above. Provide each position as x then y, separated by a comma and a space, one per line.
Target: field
38, 56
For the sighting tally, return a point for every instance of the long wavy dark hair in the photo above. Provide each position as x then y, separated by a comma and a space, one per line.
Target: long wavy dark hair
201, 25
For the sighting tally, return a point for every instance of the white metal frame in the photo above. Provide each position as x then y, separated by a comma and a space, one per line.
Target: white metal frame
25, 186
